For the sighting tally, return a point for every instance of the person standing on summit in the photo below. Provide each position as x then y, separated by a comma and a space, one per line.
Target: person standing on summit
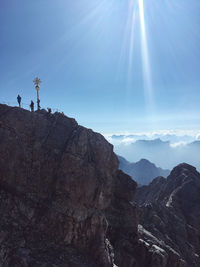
32, 105
19, 100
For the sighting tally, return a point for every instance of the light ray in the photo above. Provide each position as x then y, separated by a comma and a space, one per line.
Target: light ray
126, 60
128, 39
131, 46
146, 62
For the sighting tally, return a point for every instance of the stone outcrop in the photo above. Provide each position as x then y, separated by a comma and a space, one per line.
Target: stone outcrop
63, 201
56, 180
170, 211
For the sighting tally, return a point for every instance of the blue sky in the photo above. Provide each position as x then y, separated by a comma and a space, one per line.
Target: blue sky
114, 65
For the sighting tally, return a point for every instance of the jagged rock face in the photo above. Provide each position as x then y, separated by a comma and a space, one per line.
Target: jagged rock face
56, 180
170, 211
63, 201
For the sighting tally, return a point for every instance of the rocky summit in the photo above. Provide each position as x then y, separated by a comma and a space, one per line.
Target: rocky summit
63, 201
170, 212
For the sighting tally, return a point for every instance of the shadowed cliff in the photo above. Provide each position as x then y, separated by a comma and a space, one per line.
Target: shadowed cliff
170, 210
63, 201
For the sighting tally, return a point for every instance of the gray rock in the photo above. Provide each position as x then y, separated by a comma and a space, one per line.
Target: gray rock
170, 211
63, 201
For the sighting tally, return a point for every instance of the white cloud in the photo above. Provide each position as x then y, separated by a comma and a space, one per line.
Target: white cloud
166, 155
178, 144
128, 140
175, 137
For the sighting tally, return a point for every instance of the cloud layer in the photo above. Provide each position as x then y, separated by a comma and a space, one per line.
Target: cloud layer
164, 148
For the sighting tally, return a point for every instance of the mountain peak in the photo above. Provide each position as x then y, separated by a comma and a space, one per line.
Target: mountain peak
145, 162
62, 196
182, 173
170, 210
182, 167
142, 171
56, 179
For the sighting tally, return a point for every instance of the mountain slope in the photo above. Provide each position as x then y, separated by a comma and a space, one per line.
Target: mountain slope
170, 210
63, 201
143, 171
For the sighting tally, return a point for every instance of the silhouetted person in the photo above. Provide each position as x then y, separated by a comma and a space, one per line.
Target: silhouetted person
19, 100
38, 104
32, 106
49, 110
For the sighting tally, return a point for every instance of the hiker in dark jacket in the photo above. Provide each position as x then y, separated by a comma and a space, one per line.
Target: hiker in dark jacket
32, 105
19, 100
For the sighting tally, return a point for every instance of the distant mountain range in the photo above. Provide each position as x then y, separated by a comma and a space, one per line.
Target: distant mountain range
162, 153
142, 171
164, 137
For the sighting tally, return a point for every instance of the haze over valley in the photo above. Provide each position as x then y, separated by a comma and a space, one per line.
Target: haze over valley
164, 149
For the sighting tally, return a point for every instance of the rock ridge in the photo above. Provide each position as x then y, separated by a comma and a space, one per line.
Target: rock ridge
56, 180
63, 201
170, 210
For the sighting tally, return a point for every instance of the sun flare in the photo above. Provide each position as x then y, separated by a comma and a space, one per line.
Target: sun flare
145, 59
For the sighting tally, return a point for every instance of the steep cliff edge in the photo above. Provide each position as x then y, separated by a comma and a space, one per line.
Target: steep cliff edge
56, 180
63, 201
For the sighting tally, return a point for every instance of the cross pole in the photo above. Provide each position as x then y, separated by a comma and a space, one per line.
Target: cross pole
37, 83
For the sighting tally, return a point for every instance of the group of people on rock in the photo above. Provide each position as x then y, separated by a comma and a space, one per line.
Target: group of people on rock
19, 99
